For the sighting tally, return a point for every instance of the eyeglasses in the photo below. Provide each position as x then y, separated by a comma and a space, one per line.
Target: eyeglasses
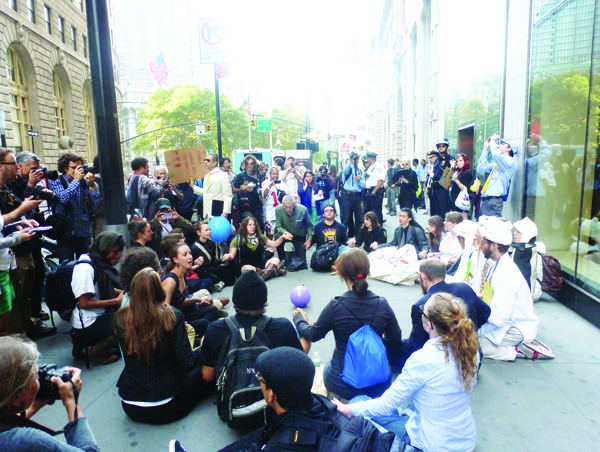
8, 163
422, 311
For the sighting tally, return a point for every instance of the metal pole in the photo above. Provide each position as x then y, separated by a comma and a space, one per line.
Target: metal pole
220, 146
105, 107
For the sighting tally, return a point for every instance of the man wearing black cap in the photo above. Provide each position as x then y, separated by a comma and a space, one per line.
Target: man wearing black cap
375, 177
286, 377
249, 300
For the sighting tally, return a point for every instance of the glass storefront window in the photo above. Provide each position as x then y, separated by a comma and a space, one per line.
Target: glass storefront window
561, 156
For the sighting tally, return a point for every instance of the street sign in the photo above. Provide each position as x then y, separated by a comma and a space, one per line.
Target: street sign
200, 129
33, 133
263, 125
211, 42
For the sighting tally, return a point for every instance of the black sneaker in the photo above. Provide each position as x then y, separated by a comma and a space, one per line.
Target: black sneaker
175, 446
41, 331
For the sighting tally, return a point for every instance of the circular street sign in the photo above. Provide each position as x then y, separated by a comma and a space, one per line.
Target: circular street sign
210, 33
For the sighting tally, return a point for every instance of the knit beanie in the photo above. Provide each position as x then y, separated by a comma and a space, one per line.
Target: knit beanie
250, 292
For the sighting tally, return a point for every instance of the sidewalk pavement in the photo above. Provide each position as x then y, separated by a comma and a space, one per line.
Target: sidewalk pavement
523, 406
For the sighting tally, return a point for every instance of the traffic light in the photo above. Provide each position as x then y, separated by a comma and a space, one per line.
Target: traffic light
208, 127
253, 122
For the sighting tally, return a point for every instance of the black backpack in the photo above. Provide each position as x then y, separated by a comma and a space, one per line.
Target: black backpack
59, 295
340, 434
324, 257
240, 401
552, 279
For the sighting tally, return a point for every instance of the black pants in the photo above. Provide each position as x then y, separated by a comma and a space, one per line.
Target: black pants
194, 389
374, 203
352, 211
299, 249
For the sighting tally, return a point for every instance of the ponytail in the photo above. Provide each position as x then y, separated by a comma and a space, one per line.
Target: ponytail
360, 285
449, 316
353, 266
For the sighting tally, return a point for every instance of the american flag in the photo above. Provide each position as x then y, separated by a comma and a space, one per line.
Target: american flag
158, 67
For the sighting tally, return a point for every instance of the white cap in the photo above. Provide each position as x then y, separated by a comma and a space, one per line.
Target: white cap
497, 230
466, 228
527, 228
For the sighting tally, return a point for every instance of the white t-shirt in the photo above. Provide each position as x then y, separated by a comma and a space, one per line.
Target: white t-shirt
82, 283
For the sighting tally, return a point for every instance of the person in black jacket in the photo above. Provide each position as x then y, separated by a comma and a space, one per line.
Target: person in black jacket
162, 379
249, 300
408, 233
286, 376
346, 314
408, 182
432, 274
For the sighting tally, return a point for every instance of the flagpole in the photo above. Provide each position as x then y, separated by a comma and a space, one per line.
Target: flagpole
249, 124
219, 144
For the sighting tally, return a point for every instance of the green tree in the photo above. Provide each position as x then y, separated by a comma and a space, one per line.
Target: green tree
189, 103
182, 104
559, 102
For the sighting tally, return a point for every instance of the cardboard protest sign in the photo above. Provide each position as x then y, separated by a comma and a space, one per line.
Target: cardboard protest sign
186, 164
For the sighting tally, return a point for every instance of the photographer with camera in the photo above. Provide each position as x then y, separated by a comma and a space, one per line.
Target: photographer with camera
79, 200
170, 191
29, 182
22, 278
24, 391
352, 183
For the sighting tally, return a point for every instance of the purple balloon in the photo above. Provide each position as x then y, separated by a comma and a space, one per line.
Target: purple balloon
300, 296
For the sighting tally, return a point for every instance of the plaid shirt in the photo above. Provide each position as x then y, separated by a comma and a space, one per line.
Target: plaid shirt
78, 203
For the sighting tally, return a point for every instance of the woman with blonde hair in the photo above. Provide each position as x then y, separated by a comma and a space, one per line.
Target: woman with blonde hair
162, 379
438, 378
344, 315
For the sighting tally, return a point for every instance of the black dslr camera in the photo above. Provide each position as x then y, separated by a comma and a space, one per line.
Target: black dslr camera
52, 175
39, 193
48, 390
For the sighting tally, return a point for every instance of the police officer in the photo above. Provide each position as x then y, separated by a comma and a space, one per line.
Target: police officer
374, 179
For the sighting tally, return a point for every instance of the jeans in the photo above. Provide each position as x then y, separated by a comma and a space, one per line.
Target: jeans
69, 248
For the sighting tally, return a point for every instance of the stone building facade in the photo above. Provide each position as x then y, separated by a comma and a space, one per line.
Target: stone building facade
45, 80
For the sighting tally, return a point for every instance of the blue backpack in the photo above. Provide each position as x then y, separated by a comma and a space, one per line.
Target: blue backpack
365, 360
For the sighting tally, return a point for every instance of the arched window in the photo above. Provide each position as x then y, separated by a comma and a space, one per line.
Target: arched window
19, 100
90, 129
59, 107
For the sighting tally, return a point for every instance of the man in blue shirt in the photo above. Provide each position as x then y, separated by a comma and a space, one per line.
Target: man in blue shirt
352, 183
78, 200
501, 169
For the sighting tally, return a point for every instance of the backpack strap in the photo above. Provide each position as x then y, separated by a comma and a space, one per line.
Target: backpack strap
239, 335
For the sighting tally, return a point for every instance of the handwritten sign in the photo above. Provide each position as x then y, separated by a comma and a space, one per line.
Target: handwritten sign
186, 164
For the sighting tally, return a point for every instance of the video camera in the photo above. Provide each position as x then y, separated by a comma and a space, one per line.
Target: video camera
48, 390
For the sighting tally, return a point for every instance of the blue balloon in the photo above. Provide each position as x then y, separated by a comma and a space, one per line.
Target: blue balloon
220, 229
300, 296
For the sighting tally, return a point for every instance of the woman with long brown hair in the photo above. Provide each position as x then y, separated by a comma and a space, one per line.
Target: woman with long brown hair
371, 233
438, 378
435, 229
175, 286
346, 314
162, 379
249, 246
